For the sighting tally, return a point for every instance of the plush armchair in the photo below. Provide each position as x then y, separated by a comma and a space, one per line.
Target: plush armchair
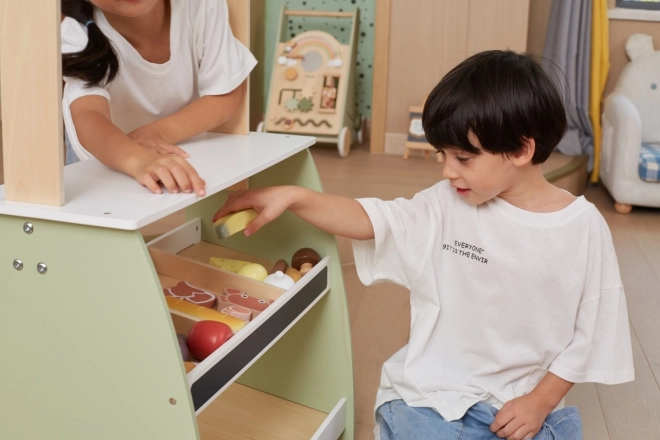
631, 129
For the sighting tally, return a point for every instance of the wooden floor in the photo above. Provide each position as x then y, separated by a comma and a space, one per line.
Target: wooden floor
380, 314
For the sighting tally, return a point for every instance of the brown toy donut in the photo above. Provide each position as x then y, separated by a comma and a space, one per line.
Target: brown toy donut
305, 255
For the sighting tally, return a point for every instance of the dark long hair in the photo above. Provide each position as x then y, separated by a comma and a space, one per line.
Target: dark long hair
97, 64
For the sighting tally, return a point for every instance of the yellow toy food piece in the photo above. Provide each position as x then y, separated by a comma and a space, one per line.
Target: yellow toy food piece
203, 313
234, 222
254, 271
228, 264
189, 366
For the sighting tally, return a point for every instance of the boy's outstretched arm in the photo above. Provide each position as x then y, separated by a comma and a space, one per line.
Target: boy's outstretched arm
335, 214
522, 418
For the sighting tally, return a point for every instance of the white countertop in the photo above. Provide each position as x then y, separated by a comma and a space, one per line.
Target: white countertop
99, 196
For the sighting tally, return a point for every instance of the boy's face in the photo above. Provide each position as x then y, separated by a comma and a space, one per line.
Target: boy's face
481, 177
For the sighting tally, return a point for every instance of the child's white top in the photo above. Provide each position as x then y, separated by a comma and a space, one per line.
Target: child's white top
499, 297
205, 59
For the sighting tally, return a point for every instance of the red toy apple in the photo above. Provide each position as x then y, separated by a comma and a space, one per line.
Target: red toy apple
206, 336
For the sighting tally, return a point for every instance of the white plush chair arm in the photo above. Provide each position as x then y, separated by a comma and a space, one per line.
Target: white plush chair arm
622, 141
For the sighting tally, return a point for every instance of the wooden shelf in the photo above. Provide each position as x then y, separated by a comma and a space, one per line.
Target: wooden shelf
245, 413
99, 196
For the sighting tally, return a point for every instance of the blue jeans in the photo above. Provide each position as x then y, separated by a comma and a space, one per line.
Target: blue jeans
399, 421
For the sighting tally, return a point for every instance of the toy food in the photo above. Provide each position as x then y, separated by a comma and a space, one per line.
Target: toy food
238, 312
185, 354
280, 265
237, 297
254, 271
189, 366
305, 255
294, 274
199, 313
306, 267
234, 222
228, 264
192, 294
205, 337
279, 279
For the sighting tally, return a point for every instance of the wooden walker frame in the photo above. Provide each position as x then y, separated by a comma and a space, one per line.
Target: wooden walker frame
312, 85
90, 346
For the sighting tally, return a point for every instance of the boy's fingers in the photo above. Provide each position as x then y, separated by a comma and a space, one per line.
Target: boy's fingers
256, 224
501, 420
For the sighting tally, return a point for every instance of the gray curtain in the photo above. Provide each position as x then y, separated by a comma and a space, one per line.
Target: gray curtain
567, 54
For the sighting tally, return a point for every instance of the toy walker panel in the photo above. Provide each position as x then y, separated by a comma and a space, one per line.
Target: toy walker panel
309, 84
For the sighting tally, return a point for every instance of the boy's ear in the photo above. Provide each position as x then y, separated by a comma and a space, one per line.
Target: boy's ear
526, 152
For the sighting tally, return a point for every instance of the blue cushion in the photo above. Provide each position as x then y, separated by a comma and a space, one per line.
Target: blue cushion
649, 163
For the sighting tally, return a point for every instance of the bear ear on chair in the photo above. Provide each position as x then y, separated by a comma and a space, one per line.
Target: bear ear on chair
638, 45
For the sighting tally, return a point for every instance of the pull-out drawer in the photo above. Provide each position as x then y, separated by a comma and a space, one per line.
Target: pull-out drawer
180, 255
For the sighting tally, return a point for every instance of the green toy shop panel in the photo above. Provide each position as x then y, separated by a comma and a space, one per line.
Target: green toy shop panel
83, 346
90, 347
339, 28
312, 363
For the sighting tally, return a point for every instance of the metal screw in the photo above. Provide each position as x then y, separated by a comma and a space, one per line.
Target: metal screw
42, 268
18, 264
172, 401
28, 228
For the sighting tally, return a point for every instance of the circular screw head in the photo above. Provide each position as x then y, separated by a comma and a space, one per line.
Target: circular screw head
172, 401
28, 228
18, 264
42, 268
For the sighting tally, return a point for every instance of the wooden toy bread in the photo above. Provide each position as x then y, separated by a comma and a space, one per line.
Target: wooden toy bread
199, 313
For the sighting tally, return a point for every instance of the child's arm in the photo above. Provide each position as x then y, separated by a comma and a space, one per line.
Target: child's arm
523, 417
198, 117
335, 214
106, 142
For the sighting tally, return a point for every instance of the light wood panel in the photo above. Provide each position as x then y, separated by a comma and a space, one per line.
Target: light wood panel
539, 15
497, 25
257, 47
30, 75
239, 20
620, 30
241, 412
380, 75
419, 59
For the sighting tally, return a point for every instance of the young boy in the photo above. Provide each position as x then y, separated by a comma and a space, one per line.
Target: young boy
514, 285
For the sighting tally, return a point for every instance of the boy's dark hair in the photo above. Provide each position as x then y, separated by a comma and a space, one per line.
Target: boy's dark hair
97, 64
502, 97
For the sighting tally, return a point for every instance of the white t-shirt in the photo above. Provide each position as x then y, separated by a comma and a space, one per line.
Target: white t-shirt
499, 296
205, 59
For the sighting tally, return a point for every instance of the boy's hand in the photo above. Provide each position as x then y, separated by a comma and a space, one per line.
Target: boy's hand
521, 418
270, 203
153, 140
175, 173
